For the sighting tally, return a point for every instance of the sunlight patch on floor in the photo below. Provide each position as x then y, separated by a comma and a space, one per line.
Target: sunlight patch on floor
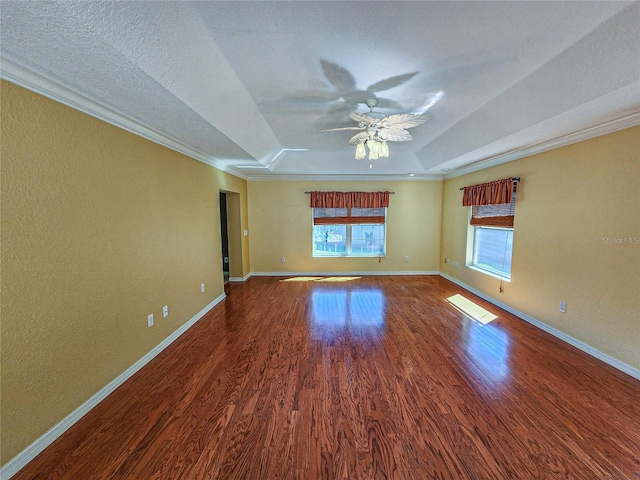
470, 309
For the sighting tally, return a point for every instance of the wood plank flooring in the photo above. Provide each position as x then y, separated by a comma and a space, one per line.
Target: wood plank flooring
374, 378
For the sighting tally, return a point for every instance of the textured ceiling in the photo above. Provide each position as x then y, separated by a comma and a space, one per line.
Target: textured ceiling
250, 84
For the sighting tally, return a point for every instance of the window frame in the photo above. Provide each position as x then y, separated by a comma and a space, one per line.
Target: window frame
349, 239
493, 215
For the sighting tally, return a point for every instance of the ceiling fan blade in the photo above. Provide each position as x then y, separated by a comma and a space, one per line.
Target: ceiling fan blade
362, 118
404, 120
394, 135
391, 82
358, 138
341, 128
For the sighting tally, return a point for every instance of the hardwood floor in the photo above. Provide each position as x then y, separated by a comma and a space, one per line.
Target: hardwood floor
375, 378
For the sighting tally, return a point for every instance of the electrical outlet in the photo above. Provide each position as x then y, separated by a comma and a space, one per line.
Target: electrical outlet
202, 288
447, 261
165, 311
246, 232
150, 320
406, 258
563, 307
281, 259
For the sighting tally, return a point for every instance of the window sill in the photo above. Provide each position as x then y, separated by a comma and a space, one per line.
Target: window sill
491, 274
349, 256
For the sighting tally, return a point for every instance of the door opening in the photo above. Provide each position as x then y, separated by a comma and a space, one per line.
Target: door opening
224, 235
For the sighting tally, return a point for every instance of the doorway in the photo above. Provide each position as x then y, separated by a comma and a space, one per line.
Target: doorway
224, 235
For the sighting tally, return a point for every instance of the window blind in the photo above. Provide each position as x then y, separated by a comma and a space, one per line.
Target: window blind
499, 215
348, 216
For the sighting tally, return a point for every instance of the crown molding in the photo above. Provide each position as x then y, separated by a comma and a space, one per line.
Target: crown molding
627, 121
15, 73
343, 178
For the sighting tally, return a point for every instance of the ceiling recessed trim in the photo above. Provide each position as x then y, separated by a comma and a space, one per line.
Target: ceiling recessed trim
611, 126
218, 83
15, 73
344, 178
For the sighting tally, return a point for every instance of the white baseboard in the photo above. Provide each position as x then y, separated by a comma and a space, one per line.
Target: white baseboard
240, 279
614, 362
336, 274
16, 463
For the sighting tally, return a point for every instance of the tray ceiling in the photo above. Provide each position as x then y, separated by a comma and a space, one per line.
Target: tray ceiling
246, 86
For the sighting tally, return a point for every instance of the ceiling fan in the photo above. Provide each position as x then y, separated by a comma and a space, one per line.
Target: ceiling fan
377, 129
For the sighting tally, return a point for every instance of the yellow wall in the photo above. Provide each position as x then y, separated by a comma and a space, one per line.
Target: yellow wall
570, 201
99, 229
280, 226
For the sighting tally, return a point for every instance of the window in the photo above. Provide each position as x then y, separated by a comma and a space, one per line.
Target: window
350, 232
492, 250
492, 237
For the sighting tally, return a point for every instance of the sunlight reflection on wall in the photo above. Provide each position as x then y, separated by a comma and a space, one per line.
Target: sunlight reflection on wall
336, 312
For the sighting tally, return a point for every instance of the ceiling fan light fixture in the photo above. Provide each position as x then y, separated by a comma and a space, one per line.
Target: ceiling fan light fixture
376, 129
374, 149
384, 149
377, 149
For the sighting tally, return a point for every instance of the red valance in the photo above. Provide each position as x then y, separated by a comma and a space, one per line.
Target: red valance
349, 199
492, 193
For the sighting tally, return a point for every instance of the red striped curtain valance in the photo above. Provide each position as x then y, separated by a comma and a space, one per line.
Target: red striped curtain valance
492, 193
349, 199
